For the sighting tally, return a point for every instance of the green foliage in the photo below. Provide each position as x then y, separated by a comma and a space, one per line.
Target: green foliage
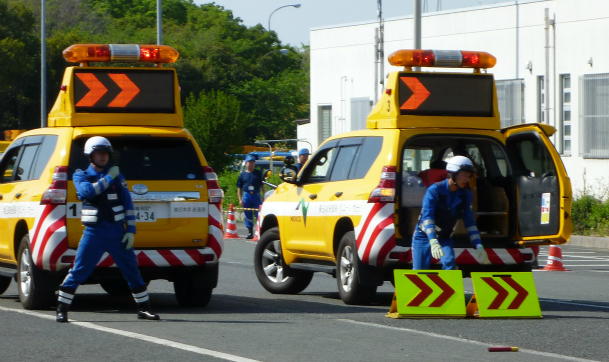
213, 118
228, 182
590, 216
260, 88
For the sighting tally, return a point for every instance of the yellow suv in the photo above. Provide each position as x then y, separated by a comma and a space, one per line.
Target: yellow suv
176, 194
352, 209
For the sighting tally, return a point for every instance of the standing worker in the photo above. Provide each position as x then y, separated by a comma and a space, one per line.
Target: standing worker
444, 203
249, 188
109, 219
303, 156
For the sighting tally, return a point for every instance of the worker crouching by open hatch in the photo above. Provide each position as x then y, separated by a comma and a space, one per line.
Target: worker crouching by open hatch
444, 203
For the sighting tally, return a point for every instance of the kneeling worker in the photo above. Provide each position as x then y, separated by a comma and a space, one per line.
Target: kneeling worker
444, 203
109, 219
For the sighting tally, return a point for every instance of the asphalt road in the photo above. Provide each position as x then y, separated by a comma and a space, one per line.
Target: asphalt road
243, 322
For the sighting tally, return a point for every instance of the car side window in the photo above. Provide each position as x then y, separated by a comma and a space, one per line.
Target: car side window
320, 166
344, 161
369, 151
44, 154
7, 168
26, 161
535, 158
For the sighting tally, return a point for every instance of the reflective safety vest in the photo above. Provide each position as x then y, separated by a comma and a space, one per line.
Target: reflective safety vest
107, 206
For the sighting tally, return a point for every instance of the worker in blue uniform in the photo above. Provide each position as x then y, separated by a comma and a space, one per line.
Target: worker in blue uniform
109, 220
249, 188
444, 203
303, 156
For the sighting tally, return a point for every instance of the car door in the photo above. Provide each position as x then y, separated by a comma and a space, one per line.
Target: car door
543, 188
302, 232
7, 208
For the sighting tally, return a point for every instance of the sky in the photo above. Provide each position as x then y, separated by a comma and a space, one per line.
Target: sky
293, 24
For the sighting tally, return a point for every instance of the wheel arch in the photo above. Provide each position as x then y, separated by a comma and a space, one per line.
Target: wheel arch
343, 225
21, 229
269, 221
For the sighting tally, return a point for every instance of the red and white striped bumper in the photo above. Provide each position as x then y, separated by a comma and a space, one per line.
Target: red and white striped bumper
497, 256
161, 258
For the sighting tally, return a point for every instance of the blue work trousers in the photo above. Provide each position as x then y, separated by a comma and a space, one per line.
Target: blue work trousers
104, 237
421, 253
251, 201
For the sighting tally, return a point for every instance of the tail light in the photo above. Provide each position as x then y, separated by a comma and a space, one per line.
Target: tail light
56, 193
385, 191
214, 192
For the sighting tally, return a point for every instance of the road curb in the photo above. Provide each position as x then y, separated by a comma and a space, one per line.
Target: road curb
597, 242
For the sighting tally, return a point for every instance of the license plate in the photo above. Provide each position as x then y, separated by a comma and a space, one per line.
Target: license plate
145, 213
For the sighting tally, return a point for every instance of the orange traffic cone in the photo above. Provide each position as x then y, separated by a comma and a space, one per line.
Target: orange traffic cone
555, 259
231, 227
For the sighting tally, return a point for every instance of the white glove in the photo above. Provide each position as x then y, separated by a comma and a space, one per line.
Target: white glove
480, 254
113, 171
436, 249
128, 240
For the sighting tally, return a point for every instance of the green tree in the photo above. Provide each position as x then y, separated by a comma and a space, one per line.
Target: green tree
19, 64
214, 119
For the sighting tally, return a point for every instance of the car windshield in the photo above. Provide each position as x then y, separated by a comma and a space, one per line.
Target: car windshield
146, 158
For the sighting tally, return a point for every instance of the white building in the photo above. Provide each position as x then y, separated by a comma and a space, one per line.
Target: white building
560, 43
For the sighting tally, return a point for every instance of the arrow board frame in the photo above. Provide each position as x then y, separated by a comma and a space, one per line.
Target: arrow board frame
123, 90
506, 295
429, 293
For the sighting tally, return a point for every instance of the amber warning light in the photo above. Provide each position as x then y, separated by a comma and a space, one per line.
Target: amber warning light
442, 58
82, 53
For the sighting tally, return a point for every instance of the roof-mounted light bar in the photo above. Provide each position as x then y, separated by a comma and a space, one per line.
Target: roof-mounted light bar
442, 58
83, 53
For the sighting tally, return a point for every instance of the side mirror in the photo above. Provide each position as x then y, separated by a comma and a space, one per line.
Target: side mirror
288, 174
267, 174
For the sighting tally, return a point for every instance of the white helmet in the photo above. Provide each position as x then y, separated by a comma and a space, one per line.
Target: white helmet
459, 163
97, 143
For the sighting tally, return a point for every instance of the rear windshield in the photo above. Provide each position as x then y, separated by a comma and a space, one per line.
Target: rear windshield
146, 158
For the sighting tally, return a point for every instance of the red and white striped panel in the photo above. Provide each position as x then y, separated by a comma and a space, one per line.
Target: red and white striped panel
165, 258
463, 256
215, 237
375, 233
49, 238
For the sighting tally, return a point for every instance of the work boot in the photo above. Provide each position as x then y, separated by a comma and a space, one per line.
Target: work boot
145, 312
251, 234
64, 300
62, 313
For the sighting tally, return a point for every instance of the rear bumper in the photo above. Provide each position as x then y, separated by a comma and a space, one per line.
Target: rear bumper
463, 256
154, 258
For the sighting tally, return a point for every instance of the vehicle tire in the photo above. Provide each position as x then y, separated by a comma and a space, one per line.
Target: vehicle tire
4, 284
348, 267
192, 289
270, 268
117, 288
36, 287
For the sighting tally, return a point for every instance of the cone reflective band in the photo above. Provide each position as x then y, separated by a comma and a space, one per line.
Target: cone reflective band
79, 53
442, 58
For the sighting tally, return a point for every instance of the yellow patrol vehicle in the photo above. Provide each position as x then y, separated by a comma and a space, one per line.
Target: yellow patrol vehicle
351, 211
176, 194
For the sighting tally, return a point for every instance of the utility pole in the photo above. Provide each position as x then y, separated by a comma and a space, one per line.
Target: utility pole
43, 66
159, 22
379, 69
417, 27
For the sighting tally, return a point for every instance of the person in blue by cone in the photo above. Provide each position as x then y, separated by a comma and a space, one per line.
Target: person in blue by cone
444, 203
109, 220
249, 188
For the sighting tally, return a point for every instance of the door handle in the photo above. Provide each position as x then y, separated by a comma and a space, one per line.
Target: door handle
338, 193
18, 195
313, 196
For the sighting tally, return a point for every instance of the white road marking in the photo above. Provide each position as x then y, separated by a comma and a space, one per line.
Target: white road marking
573, 303
141, 337
463, 340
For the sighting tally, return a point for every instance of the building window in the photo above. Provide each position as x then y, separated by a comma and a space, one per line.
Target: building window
510, 95
541, 99
594, 110
325, 122
565, 113
360, 108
